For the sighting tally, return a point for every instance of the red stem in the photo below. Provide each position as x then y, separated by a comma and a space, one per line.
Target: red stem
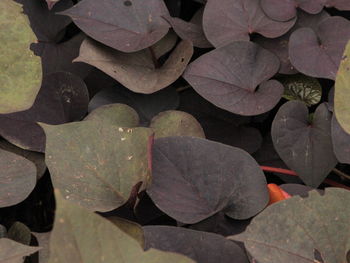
292, 173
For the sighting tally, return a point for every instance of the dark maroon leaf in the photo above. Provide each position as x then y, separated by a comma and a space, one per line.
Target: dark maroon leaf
304, 145
283, 10
231, 20
229, 78
341, 142
62, 98
297, 189
195, 178
338, 4
317, 53
200, 246
124, 25
59, 57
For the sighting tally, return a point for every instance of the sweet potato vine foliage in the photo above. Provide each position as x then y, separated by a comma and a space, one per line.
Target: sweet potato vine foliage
209, 131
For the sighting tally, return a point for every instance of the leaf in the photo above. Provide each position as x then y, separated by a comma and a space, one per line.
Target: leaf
314, 52
284, 10
20, 233
13, 252
340, 139
131, 228
96, 164
338, 4
89, 238
43, 240
51, 3
227, 21
176, 123
20, 70
63, 97
200, 246
137, 71
293, 230
124, 25
115, 114
302, 88
235, 71
195, 178
342, 91
305, 146
18, 178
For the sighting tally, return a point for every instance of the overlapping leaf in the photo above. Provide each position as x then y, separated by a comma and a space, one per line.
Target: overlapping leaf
229, 78
195, 178
340, 139
13, 252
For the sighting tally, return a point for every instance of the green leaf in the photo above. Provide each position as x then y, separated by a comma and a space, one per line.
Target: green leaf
13, 252
82, 236
131, 228
96, 164
20, 69
342, 91
176, 123
302, 230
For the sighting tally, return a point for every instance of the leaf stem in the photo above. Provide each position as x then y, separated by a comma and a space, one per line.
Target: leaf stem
341, 174
180, 89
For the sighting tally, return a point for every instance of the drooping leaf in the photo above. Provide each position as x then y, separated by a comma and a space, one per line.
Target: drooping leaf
176, 123
236, 78
137, 71
302, 88
20, 69
63, 97
96, 164
200, 246
13, 252
341, 142
115, 114
89, 238
304, 145
17, 176
20, 233
342, 91
284, 10
233, 20
314, 52
124, 25
194, 178
132, 229
302, 230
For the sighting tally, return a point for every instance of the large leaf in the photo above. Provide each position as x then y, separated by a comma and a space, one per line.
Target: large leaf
82, 236
226, 21
124, 25
17, 177
341, 142
195, 178
303, 230
20, 70
13, 252
315, 52
304, 145
138, 71
229, 78
63, 97
96, 164
200, 246
342, 91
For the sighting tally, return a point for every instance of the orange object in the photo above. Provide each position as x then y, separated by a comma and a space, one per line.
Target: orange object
276, 193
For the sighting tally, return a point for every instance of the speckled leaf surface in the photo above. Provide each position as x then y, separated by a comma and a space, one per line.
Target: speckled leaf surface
13, 252
96, 164
82, 236
303, 230
20, 69
17, 178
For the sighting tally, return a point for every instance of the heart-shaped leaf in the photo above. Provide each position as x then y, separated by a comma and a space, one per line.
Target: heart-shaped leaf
229, 78
13, 252
195, 178
232, 20
17, 176
96, 164
20, 70
176, 123
124, 25
340, 139
63, 97
137, 71
86, 237
200, 246
304, 145
314, 52
303, 230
